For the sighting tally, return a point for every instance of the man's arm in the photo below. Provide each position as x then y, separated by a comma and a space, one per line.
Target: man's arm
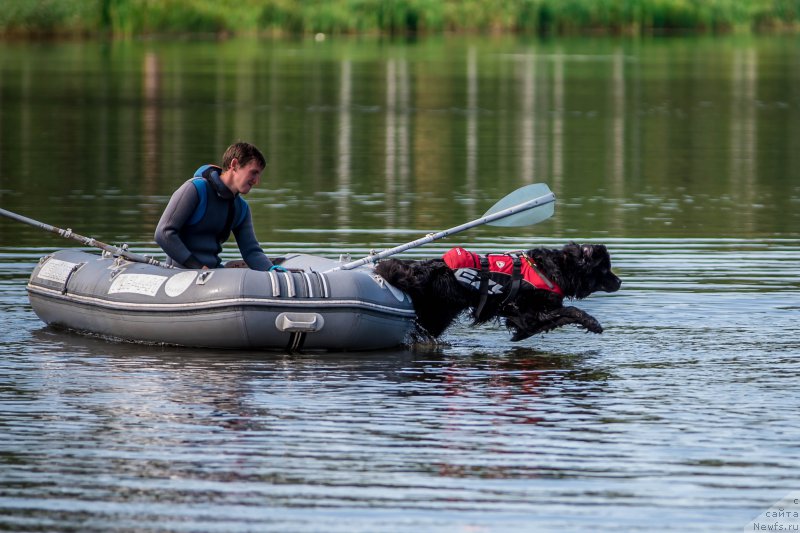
178, 211
251, 251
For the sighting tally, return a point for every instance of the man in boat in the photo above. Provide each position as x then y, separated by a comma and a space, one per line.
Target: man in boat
202, 213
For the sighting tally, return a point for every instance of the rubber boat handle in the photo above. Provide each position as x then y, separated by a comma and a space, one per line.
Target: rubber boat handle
305, 322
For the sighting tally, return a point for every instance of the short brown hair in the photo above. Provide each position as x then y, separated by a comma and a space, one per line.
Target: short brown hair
244, 153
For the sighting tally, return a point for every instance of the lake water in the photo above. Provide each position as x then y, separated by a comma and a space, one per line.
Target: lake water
681, 155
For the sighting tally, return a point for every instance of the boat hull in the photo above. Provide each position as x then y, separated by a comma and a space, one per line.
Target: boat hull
310, 307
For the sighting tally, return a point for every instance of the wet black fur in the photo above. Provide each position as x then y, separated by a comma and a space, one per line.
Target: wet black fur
439, 298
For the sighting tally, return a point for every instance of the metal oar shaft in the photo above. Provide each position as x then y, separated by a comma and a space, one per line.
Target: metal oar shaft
524, 206
88, 241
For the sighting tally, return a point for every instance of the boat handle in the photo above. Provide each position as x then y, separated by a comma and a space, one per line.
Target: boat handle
306, 322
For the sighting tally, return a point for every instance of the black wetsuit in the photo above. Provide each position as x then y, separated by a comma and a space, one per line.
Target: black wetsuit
194, 244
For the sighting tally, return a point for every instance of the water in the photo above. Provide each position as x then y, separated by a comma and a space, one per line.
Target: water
680, 155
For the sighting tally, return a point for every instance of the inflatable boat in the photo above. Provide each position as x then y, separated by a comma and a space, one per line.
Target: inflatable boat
309, 306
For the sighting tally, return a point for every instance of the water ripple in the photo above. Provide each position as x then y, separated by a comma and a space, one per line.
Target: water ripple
684, 406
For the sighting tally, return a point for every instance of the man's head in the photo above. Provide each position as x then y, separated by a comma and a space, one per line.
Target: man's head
242, 165
244, 153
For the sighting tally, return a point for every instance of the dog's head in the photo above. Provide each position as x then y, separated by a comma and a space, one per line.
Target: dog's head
587, 268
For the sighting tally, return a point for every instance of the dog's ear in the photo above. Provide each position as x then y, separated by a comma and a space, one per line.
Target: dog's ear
587, 250
593, 253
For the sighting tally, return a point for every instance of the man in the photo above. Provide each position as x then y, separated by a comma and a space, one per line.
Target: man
202, 213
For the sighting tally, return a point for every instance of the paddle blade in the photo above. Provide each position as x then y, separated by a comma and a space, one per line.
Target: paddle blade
534, 215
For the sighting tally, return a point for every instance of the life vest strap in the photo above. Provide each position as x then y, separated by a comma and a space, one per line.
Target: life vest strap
550, 285
516, 279
483, 289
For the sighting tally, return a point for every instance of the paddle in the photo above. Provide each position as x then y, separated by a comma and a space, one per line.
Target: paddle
527, 205
88, 241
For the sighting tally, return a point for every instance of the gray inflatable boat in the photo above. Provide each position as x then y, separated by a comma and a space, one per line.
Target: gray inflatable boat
310, 307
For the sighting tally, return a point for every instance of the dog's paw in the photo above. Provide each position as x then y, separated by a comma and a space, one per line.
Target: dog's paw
592, 325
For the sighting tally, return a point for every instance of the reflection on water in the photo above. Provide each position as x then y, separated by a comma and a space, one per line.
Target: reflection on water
744, 140
679, 154
667, 138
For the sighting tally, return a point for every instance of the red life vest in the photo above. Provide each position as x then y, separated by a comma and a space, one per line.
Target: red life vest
457, 258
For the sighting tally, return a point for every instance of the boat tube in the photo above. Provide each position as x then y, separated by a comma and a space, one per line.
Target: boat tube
310, 306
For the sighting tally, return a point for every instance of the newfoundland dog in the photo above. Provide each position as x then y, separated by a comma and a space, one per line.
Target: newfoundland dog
527, 289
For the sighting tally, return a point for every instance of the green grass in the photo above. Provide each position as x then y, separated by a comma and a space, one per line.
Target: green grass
128, 18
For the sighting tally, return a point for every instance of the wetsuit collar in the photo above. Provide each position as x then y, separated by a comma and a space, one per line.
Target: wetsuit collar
222, 190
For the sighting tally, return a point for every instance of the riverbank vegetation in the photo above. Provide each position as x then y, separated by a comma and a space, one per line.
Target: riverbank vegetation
128, 18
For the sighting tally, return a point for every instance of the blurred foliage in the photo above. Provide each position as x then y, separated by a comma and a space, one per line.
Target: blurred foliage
135, 17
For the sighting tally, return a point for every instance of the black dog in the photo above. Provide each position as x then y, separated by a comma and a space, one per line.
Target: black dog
440, 293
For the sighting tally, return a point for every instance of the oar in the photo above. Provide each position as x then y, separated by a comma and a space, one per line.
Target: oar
527, 205
88, 241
